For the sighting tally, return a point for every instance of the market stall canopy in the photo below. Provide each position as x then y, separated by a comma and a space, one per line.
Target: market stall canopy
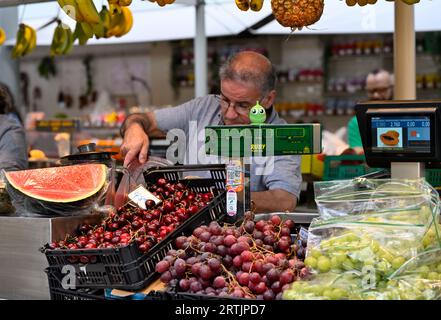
223, 18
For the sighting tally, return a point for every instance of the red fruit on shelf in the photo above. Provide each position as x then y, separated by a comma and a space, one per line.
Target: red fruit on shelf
150, 204
168, 206
161, 182
90, 246
193, 209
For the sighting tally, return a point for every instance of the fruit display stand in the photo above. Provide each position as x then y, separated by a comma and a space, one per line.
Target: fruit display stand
159, 291
127, 267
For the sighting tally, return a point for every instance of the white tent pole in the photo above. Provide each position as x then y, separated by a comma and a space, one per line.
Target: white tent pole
200, 51
404, 52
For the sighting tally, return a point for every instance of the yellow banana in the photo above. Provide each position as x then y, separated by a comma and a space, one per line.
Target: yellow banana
70, 41
115, 8
256, 5
20, 43
125, 3
70, 7
127, 23
100, 30
62, 40
121, 23
243, 5
88, 11
2, 36
80, 35
31, 38
87, 29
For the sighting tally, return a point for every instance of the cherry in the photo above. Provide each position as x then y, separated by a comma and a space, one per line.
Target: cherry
150, 204
161, 182
193, 210
168, 206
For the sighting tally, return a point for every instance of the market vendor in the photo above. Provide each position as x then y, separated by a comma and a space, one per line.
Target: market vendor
246, 77
379, 86
13, 154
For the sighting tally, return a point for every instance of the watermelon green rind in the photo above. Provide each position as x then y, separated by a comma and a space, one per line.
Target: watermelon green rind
59, 184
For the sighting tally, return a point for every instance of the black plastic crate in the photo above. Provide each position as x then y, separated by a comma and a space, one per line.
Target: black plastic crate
57, 292
126, 267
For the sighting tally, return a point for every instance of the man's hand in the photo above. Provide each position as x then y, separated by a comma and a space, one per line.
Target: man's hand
135, 144
277, 200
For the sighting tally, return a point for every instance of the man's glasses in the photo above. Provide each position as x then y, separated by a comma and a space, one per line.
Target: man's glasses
242, 108
378, 90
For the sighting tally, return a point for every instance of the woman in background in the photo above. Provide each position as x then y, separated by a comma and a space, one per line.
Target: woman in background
13, 149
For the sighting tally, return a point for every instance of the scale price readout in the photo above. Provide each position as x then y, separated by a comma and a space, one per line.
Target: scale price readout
263, 140
58, 125
400, 131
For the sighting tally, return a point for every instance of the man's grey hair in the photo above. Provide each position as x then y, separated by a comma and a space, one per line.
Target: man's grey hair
266, 81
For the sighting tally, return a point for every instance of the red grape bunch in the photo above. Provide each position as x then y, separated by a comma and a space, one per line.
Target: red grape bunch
256, 260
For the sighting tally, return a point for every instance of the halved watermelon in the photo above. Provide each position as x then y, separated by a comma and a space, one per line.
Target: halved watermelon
59, 184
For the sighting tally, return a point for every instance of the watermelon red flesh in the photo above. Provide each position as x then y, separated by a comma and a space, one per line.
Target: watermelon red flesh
60, 184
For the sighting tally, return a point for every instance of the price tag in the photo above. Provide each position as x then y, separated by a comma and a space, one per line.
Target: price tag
140, 195
231, 203
303, 234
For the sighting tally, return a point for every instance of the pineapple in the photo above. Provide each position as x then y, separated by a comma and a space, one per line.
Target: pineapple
297, 13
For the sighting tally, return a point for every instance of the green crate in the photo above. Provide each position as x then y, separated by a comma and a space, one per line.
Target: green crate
336, 168
433, 177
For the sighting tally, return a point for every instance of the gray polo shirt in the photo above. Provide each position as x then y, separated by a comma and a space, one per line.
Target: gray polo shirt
189, 120
13, 149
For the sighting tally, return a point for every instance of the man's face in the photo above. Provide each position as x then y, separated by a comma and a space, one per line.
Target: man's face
379, 86
237, 99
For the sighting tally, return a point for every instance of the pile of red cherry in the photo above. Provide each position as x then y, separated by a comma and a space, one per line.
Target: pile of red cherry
133, 224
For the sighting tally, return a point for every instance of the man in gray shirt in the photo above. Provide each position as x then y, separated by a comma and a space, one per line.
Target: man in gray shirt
246, 77
13, 154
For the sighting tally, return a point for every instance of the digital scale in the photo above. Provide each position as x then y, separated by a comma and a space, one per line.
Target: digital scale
400, 135
240, 143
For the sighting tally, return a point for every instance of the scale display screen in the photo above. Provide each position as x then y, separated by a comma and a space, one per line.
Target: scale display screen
403, 134
400, 131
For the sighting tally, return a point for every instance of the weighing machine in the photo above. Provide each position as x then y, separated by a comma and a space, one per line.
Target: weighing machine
239, 144
400, 135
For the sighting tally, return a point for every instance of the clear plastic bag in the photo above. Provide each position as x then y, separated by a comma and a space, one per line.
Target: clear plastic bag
58, 191
132, 178
367, 231
344, 198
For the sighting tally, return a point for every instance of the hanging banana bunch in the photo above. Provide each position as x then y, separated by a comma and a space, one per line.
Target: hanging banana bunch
120, 23
83, 32
162, 3
26, 41
2, 36
362, 3
254, 5
121, 3
297, 14
62, 41
100, 30
80, 10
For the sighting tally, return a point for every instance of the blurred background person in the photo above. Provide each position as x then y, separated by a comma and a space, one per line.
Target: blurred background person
13, 148
379, 86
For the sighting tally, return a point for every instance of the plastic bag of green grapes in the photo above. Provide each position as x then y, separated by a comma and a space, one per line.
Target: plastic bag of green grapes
327, 286
377, 200
362, 247
419, 278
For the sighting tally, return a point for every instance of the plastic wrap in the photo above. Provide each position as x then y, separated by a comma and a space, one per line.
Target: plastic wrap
58, 191
367, 231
